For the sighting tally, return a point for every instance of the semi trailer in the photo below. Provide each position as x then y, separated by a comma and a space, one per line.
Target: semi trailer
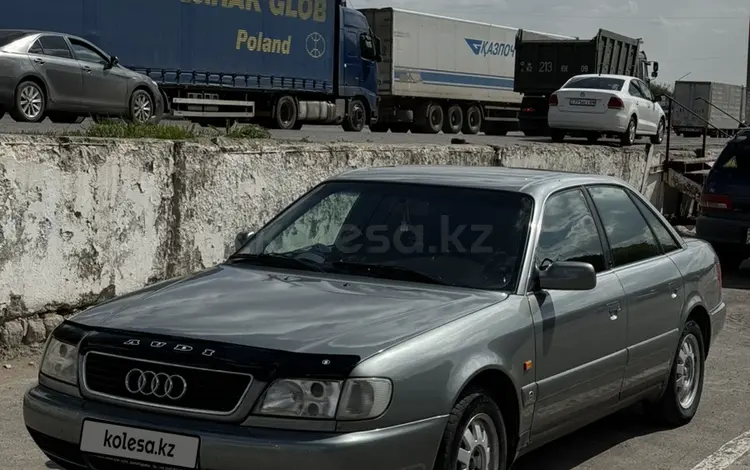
280, 63
717, 108
445, 74
542, 66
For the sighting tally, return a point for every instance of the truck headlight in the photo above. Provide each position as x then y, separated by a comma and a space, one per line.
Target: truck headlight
354, 399
60, 361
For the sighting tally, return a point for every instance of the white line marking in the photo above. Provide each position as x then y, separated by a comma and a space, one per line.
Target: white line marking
727, 454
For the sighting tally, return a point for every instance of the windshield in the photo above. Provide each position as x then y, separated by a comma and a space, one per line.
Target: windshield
596, 83
735, 157
452, 236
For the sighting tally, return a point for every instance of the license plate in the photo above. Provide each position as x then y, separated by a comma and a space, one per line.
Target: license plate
141, 445
582, 102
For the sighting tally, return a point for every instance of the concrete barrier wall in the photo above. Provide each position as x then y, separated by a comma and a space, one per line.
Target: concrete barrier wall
82, 220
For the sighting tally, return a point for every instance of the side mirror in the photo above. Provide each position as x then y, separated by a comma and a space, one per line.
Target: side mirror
568, 275
656, 67
378, 49
113, 61
241, 239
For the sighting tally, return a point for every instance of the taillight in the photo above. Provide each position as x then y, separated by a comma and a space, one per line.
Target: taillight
553, 100
528, 110
615, 103
716, 202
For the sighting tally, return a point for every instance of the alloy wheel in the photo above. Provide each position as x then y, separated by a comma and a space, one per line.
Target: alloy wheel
30, 102
479, 448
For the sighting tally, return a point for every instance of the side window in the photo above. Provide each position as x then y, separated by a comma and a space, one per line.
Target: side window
633, 90
644, 89
629, 236
55, 46
87, 53
667, 241
569, 232
36, 48
321, 224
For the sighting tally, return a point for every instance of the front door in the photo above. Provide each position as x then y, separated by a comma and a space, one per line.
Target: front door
653, 285
645, 118
580, 336
352, 59
105, 87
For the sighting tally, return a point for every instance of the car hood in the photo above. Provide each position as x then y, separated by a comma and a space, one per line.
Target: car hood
305, 313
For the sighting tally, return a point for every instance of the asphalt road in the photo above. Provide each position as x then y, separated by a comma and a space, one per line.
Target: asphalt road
717, 439
327, 134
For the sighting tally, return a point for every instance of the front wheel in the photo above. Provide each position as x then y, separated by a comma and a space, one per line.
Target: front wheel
475, 437
356, 118
659, 137
682, 396
141, 107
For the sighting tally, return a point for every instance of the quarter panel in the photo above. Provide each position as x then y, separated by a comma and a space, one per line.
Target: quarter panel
430, 371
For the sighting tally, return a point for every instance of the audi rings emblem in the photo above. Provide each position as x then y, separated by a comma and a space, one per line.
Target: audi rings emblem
159, 385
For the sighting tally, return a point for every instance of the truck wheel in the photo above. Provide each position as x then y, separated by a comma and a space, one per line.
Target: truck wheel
141, 108
431, 119
356, 117
454, 120
285, 116
30, 103
472, 120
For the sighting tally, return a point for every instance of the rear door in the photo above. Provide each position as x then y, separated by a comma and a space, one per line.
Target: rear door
53, 60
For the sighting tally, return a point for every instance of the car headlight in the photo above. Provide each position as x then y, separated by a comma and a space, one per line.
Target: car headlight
354, 399
60, 361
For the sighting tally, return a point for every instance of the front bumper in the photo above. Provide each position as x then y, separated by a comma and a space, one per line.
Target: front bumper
55, 421
722, 231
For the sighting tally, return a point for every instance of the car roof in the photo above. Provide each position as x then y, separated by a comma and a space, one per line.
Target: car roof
29, 32
604, 75
537, 183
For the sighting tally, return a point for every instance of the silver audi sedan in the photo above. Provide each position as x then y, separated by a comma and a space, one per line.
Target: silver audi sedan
66, 78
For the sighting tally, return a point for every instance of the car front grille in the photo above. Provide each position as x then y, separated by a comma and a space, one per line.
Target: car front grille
164, 385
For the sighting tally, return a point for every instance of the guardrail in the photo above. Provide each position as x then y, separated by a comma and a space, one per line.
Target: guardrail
706, 125
721, 111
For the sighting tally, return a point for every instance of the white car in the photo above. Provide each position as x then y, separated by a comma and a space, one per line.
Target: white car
593, 106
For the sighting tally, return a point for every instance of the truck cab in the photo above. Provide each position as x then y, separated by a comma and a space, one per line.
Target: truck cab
360, 52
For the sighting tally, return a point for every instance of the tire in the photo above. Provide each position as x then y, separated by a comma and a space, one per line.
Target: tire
593, 138
285, 113
474, 406
356, 118
627, 138
379, 127
65, 118
673, 409
659, 137
141, 108
30, 102
454, 120
430, 120
557, 135
472, 121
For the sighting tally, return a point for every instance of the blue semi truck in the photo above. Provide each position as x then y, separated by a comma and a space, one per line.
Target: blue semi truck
279, 63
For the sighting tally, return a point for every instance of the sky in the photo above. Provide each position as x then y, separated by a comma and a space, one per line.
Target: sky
707, 39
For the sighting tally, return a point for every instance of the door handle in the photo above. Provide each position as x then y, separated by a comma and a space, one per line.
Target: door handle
674, 288
39, 61
614, 309
86, 68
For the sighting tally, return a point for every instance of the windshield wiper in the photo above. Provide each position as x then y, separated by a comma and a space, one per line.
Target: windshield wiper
277, 261
389, 272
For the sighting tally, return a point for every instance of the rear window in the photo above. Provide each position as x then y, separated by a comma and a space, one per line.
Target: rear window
7, 37
735, 157
596, 83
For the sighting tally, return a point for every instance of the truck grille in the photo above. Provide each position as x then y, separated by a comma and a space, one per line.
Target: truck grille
162, 385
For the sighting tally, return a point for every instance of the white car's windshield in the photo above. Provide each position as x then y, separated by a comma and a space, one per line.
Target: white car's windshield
443, 235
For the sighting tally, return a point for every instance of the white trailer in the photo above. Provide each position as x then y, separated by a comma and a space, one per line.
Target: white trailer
447, 74
721, 104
